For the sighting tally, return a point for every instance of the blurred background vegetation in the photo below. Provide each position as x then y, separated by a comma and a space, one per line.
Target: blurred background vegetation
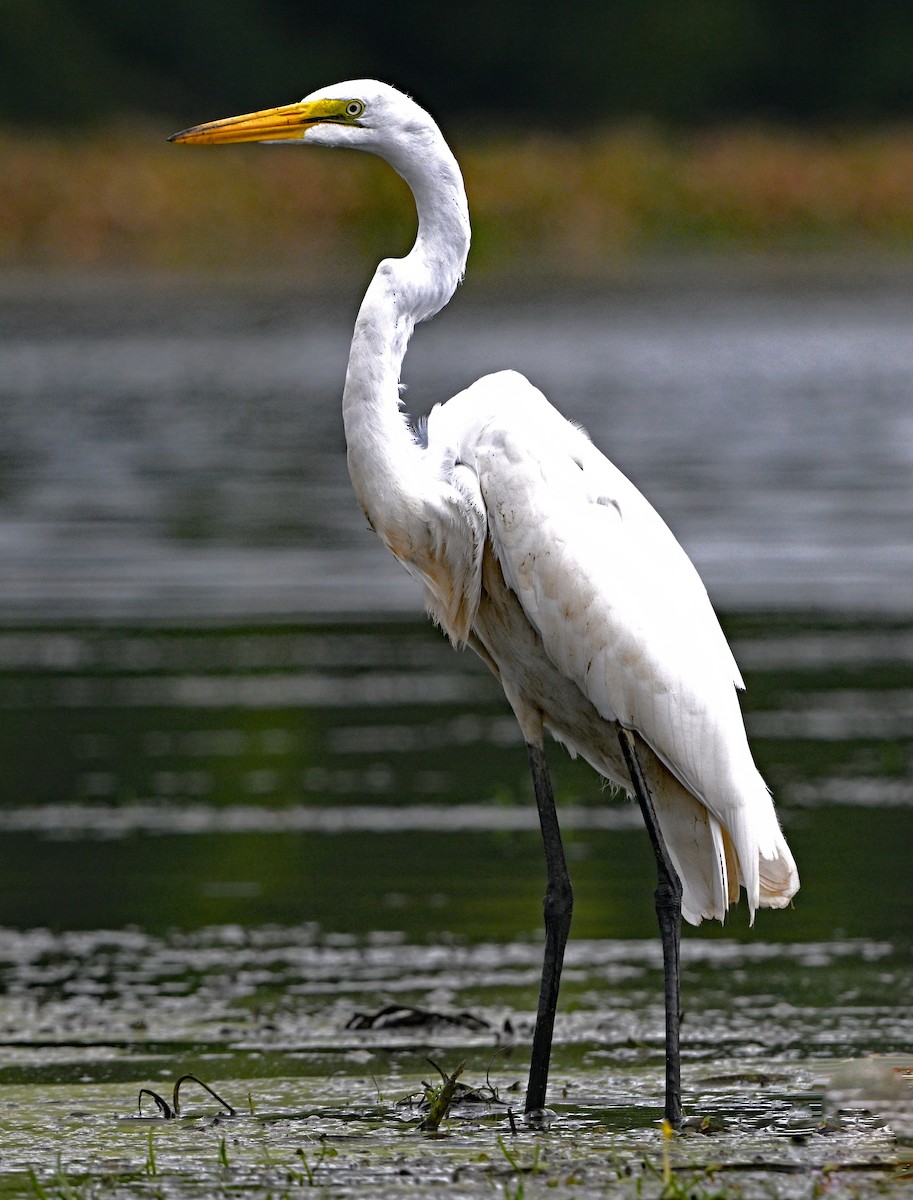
588, 132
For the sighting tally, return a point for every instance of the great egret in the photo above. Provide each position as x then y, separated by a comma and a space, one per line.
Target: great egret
538, 553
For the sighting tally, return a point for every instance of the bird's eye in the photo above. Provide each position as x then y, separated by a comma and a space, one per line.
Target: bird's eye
354, 108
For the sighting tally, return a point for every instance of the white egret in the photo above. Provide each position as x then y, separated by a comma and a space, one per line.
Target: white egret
538, 553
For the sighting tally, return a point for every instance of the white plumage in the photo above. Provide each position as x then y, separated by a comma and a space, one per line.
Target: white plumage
616, 609
537, 552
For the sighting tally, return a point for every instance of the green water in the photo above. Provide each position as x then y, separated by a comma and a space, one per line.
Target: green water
220, 843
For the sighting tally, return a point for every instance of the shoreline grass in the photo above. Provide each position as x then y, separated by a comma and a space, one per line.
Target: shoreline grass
114, 199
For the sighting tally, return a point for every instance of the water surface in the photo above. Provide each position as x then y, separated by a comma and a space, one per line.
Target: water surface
248, 794
178, 450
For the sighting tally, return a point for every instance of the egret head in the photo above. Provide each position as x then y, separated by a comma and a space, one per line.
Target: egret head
361, 114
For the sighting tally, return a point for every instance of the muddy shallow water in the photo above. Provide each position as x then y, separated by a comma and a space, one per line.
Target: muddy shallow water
263, 1015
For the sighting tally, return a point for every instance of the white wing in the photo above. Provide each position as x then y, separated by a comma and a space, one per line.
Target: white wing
618, 606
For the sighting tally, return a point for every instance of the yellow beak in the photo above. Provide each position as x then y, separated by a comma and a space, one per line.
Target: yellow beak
288, 123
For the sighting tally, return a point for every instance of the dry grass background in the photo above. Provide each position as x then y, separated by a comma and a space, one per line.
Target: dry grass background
573, 207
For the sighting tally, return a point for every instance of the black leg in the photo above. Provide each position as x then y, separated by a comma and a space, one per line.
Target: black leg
557, 906
669, 912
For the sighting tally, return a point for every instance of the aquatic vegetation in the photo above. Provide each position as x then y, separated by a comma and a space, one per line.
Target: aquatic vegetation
174, 1110
440, 1098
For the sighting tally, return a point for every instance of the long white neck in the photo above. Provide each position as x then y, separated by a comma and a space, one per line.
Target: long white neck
384, 462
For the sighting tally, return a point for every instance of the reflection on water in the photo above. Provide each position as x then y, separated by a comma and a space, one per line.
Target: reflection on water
288, 754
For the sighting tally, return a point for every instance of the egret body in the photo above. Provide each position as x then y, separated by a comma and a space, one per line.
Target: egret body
537, 552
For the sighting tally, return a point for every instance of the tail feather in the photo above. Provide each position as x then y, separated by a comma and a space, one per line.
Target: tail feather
697, 845
713, 859
778, 877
